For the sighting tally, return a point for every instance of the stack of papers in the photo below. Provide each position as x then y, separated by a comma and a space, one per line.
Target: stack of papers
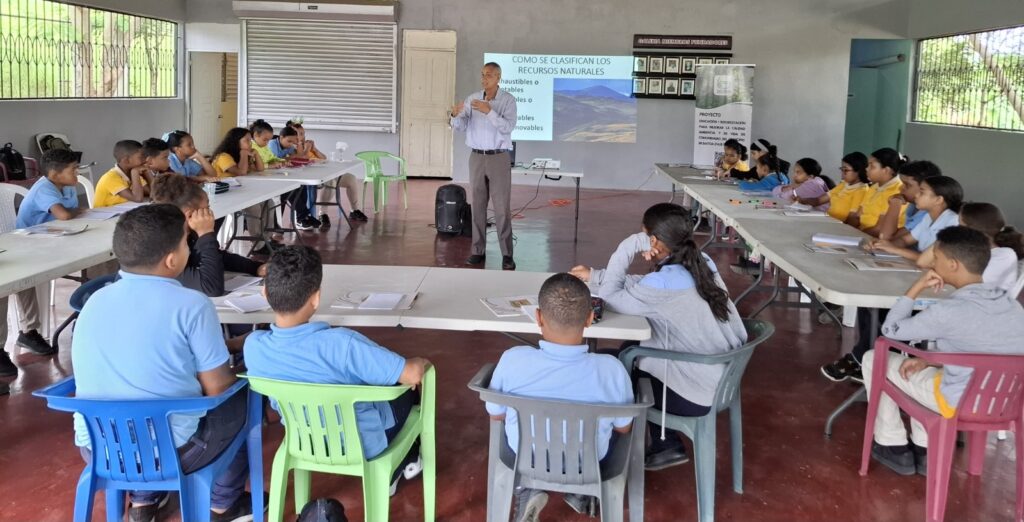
832, 239
805, 213
240, 282
822, 248
244, 303
878, 265
101, 214
509, 306
52, 230
375, 301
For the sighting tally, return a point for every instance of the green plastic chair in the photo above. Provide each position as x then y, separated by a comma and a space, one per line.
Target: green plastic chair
375, 174
321, 436
702, 430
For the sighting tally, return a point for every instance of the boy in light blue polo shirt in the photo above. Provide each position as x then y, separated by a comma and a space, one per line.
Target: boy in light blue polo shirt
147, 337
561, 369
295, 349
54, 196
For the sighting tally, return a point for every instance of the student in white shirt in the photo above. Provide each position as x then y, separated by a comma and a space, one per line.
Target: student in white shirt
1007, 243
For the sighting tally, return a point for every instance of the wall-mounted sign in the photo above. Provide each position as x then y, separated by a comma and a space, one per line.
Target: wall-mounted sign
657, 41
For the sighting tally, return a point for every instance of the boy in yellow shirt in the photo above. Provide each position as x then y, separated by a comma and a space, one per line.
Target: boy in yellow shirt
885, 184
127, 180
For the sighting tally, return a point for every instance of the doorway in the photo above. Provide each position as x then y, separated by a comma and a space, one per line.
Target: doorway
428, 92
878, 95
213, 97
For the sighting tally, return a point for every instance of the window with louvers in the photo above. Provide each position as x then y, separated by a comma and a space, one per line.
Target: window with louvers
331, 74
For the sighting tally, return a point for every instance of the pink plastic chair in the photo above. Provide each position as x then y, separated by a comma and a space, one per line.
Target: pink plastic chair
992, 401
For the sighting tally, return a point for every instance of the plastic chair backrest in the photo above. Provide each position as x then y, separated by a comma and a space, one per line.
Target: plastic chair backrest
10, 197
371, 159
131, 439
559, 435
320, 419
88, 188
1019, 285
82, 294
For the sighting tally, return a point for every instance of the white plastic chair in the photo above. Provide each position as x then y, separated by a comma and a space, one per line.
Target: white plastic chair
88, 188
10, 196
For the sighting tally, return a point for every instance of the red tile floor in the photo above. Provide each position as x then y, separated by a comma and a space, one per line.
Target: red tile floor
792, 473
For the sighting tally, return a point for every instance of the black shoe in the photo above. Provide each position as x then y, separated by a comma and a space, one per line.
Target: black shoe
920, 459
325, 221
476, 259
35, 343
7, 368
857, 375
745, 267
897, 458
666, 458
4, 388
842, 369
262, 251
307, 223
241, 510
148, 512
507, 263
358, 215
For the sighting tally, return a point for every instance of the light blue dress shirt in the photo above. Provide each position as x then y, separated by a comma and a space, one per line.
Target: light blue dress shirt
491, 131
35, 209
927, 229
278, 150
187, 168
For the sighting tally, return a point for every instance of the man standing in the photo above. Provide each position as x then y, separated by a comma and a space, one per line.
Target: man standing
488, 118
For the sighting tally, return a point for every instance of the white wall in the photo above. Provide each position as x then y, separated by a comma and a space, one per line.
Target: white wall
93, 126
801, 48
987, 163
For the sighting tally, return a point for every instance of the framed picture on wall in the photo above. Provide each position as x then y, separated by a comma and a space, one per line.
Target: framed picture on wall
722, 61
656, 64
639, 85
671, 86
686, 87
689, 65
672, 65
705, 61
654, 85
639, 64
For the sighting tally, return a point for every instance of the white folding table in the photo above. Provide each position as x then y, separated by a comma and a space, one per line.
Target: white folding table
555, 175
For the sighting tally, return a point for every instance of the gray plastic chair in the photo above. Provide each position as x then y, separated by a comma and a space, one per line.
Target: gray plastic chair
702, 430
580, 471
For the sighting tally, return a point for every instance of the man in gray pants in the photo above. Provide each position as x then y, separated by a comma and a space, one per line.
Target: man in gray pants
488, 118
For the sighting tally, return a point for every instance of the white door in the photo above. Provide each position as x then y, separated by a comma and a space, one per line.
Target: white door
428, 92
205, 93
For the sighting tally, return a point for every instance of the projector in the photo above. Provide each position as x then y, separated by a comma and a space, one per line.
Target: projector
545, 164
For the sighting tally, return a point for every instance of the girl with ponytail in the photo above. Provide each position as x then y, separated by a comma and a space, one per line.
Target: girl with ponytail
689, 309
769, 173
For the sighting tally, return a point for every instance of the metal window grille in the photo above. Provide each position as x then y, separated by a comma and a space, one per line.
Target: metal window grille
972, 80
332, 74
58, 50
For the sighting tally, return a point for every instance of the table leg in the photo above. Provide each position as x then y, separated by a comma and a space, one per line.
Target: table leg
713, 225
673, 198
861, 395
751, 288
576, 224
775, 291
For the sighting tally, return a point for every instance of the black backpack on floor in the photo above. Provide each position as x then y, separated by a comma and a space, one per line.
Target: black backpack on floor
13, 162
451, 212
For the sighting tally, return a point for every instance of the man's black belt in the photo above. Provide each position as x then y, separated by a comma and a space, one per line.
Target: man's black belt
489, 152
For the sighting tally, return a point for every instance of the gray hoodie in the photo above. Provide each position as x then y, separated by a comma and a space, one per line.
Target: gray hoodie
978, 318
680, 321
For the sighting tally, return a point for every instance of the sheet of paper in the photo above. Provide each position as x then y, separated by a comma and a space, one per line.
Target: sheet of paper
52, 230
530, 311
381, 301
240, 282
100, 214
508, 306
833, 239
247, 303
801, 213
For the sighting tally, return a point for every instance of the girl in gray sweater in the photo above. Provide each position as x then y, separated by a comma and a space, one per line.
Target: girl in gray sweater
689, 310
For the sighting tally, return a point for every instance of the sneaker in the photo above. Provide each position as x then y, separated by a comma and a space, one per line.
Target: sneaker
148, 512
358, 215
666, 458
507, 263
35, 343
857, 375
476, 259
582, 504
920, 459
529, 504
263, 250
325, 221
745, 267
241, 510
411, 471
897, 458
7, 368
842, 369
307, 223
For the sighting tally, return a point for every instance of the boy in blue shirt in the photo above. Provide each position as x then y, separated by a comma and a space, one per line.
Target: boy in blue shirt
52, 197
295, 349
561, 369
167, 343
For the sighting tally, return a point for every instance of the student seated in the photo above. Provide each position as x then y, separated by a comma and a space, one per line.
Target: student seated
127, 181
940, 198
52, 197
769, 174
156, 155
849, 193
911, 175
186, 160
295, 349
689, 309
977, 318
561, 369
148, 337
1006, 242
808, 186
882, 168
734, 159
235, 157
307, 149
760, 148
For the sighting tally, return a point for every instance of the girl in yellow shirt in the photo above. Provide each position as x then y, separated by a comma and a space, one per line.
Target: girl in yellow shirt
882, 168
849, 193
234, 156
734, 159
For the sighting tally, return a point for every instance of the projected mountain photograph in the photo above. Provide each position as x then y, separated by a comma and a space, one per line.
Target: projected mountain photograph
594, 110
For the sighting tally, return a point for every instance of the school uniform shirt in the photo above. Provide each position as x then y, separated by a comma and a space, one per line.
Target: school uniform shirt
813, 188
844, 198
562, 372
188, 168
1002, 267
316, 353
35, 208
145, 337
913, 216
278, 150
927, 228
765, 184
739, 170
265, 153
876, 203
113, 182
222, 163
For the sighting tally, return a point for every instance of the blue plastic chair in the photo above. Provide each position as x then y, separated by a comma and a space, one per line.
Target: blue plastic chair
702, 430
133, 450
77, 302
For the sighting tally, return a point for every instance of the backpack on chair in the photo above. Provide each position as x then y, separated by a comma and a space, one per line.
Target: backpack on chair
13, 162
51, 142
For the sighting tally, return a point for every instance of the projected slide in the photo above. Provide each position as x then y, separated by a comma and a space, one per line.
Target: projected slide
570, 97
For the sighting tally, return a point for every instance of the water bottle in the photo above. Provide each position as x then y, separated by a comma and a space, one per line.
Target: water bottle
211, 190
